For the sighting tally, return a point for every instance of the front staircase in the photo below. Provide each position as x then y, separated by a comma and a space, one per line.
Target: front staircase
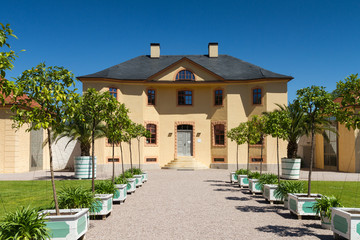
187, 163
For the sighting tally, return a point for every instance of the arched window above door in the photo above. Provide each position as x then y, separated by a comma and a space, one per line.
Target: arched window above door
185, 75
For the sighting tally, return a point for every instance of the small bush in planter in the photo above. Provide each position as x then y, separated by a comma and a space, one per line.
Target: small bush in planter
286, 187
324, 204
76, 197
24, 223
242, 172
128, 174
105, 187
268, 178
137, 171
121, 180
254, 175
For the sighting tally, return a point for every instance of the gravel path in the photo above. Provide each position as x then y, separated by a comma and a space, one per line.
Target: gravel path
200, 205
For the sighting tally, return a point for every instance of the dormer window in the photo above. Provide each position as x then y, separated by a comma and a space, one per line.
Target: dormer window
185, 75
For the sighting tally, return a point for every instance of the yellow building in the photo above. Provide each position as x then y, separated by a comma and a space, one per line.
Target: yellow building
188, 102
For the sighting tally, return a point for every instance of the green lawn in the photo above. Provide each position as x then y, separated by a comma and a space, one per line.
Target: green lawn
14, 194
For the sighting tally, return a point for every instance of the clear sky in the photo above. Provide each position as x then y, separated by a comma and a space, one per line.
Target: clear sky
316, 42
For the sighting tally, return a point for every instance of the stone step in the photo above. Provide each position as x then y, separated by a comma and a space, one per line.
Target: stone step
185, 163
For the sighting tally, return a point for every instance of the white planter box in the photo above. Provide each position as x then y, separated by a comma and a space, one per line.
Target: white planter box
301, 205
325, 222
131, 186
269, 193
138, 180
103, 205
290, 168
121, 193
233, 177
83, 167
243, 181
254, 186
71, 224
345, 222
144, 177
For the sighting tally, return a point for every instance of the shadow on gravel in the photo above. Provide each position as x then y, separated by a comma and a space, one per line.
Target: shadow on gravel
257, 208
227, 190
263, 201
238, 198
215, 181
221, 185
313, 225
285, 231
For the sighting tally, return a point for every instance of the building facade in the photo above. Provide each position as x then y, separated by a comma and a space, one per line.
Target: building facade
188, 103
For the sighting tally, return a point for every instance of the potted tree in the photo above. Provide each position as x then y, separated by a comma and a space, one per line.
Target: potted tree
139, 132
317, 105
121, 189
254, 185
138, 175
323, 208
286, 187
131, 186
344, 221
242, 176
104, 192
268, 183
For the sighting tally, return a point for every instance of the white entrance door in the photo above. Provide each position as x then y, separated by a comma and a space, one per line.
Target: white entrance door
184, 142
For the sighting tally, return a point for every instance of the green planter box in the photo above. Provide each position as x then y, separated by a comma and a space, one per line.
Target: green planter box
103, 205
120, 194
71, 224
269, 193
144, 177
131, 186
345, 222
138, 180
254, 186
243, 181
233, 177
301, 205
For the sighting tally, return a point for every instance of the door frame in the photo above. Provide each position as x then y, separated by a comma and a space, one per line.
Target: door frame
193, 136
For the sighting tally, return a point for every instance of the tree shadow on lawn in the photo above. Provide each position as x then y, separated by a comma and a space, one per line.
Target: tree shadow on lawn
257, 208
285, 231
57, 177
238, 198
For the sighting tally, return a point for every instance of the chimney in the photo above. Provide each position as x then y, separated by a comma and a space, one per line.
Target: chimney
213, 50
154, 50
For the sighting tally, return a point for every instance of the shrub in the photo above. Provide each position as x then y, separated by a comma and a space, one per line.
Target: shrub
324, 205
242, 172
121, 180
76, 197
254, 175
286, 187
24, 223
268, 178
137, 171
105, 187
128, 174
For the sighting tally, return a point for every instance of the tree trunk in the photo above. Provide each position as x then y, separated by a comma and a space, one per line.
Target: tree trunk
311, 159
278, 160
139, 153
113, 163
52, 174
85, 149
122, 159
93, 157
237, 157
261, 155
131, 167
292, 149
248, 156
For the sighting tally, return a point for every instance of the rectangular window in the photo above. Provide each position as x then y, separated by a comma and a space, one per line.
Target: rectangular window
257, 96
113, 159
151, 96
219, 132
152, 129
219, 160
150, 159
256, 160
113, 92
218, 97
185, 97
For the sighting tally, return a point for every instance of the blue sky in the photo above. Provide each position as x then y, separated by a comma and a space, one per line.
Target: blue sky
316, 42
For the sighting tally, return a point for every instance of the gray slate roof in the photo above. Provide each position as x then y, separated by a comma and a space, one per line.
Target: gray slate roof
227, 67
